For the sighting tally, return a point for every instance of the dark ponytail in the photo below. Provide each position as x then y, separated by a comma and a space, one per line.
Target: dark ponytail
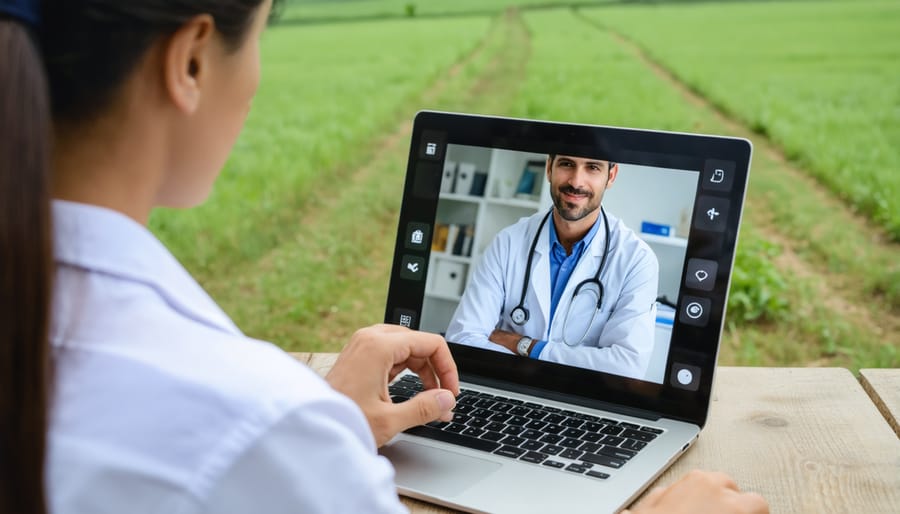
27, 260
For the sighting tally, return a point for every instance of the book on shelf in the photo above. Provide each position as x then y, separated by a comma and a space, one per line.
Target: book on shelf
449, 177
465, 175
439, 241
530, 180
479, 182
452, 236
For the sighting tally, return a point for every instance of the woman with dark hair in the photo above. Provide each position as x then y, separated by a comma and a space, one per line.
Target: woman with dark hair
124, 387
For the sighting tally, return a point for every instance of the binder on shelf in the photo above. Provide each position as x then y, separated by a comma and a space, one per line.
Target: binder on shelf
478, 184
467, 241
439, 241
465, 175
460, 240
452, 236
449, 177
530, 181
449, 277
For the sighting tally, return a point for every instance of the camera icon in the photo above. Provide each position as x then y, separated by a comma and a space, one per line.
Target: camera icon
695, 311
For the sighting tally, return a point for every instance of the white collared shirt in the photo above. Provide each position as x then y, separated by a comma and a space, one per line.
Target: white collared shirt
160, 404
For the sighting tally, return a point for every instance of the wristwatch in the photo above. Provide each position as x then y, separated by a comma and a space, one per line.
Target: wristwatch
524, 345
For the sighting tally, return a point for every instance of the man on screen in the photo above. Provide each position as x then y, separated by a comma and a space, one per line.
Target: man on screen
573, 286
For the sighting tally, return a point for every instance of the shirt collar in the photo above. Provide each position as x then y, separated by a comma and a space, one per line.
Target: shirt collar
104, 241
558, 251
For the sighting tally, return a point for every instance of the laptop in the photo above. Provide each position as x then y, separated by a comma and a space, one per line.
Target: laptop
585, 423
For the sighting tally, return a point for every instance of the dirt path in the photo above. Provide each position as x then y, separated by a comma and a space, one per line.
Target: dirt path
841, 293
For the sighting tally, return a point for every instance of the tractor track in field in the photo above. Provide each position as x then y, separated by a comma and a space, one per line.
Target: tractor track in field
838, 293
337, 326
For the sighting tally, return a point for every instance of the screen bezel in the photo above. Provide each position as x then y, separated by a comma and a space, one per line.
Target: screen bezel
689, 344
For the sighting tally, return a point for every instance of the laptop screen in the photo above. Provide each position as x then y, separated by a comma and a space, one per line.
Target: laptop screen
553, 256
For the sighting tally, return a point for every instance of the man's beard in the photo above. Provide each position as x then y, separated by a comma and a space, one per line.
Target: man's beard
571, 212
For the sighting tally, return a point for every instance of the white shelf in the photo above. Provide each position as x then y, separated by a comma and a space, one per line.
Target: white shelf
451, 257
444, 296
514, 202
678, 242
461, 198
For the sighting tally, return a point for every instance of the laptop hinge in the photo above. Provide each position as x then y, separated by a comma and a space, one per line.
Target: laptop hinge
561, 397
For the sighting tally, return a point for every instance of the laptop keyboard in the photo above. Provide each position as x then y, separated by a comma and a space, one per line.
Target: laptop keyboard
540, 434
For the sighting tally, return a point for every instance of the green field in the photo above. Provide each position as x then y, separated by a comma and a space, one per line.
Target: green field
311, 11
296, 241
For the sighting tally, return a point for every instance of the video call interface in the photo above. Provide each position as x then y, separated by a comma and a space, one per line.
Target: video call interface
478, 233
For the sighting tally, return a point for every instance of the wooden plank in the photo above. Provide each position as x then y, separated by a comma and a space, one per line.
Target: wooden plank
809, 440
883, 387
301, 356
321, 363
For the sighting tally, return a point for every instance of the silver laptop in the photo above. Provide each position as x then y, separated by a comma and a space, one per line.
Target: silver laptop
580, 274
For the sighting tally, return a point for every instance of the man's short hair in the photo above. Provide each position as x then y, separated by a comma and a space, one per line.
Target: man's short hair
609, 164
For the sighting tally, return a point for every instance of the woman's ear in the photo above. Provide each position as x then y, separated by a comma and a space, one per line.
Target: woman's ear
186, 59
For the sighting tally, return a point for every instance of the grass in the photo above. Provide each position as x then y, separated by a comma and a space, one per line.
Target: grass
317, 10
315, 115
820, 78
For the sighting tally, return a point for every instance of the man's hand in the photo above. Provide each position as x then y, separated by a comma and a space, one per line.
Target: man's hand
374, 356
701, 492
508, 340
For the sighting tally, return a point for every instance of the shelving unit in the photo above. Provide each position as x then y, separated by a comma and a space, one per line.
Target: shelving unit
498, 207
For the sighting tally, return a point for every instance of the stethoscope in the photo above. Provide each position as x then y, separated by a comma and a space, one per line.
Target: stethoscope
520, 314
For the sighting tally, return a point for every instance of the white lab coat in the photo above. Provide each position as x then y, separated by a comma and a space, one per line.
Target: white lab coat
620, 339
160, 404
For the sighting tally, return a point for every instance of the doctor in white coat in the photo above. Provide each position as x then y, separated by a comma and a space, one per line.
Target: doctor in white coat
522, 296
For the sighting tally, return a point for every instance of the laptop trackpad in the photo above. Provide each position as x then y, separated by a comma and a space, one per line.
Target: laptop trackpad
424, 468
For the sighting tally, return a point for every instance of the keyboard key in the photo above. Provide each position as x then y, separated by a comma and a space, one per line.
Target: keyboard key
485, 395
632, 426
513, 401
592, 438
484, 404
494, 426
554, 418
532, 405
533, 457
576, 468
572, 454
570, 442
616, 453
519, 411
536, 414
398, 399
611, 430
493, 436
513, 430
637, 434
609, 421
590, 426
532, 445
603, 460
552, 429
410, 378
652, 430
455, 428
590, 447
500, 417
512, 440
473, 431
477, 422
458, 439
572, 423
536, 425
460, 418
569, 413
597, 474
573, 432
612, 440
502, 407
552, 449
509, 451
463, 409
553, 463
532, 434
466, 400
552, 438
631, 444
518, 421
438, 424
481, 413
550, 409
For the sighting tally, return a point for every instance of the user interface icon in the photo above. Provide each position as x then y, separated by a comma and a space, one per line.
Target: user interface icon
711, 213
701, 274
412, 267
695, 311
405, 318
685, 376
718, 175
418, 236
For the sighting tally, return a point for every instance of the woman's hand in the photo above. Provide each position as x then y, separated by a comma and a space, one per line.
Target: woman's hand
701, 492
374, 356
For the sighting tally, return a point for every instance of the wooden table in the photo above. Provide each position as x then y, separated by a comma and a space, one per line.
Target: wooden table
808, 439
